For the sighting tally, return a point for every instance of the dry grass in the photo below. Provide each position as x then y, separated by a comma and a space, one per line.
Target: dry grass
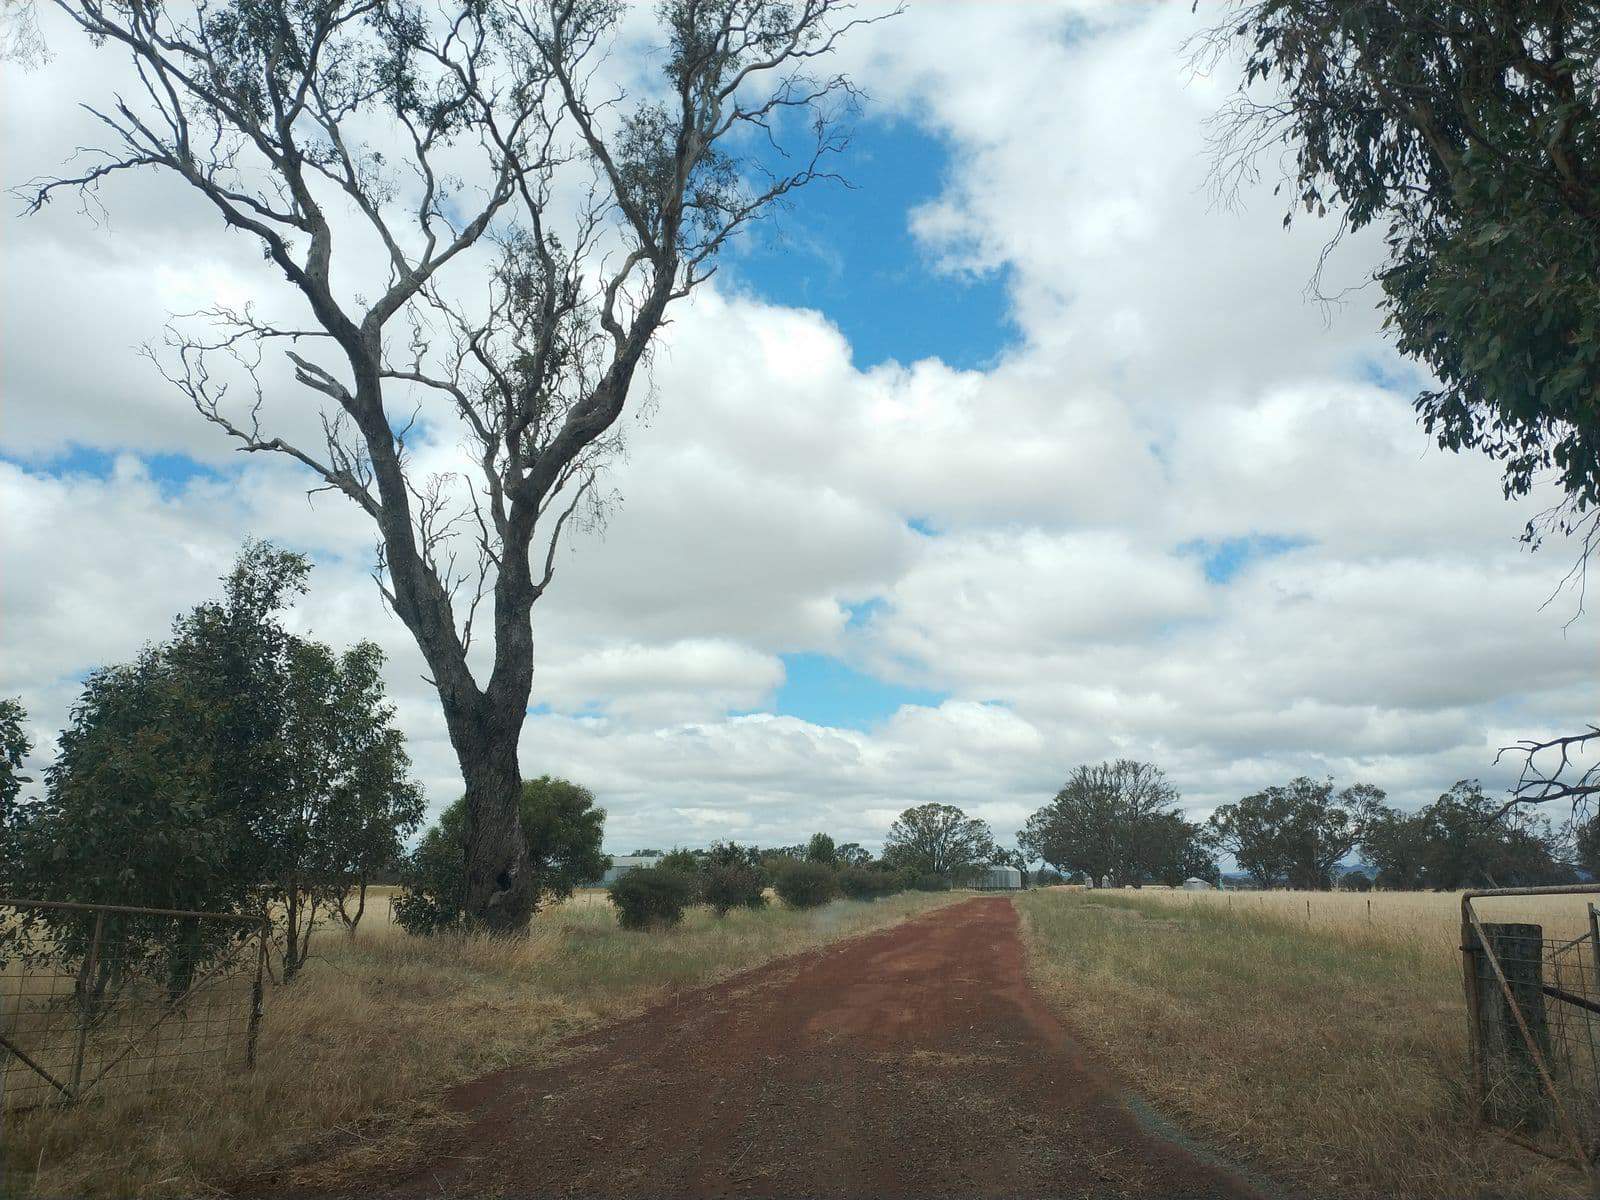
1329, 1051
1428, 922
356, 1053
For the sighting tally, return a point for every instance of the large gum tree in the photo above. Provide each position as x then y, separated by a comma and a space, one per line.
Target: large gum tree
485, 225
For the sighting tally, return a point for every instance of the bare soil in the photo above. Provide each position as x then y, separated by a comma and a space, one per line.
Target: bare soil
913, 1062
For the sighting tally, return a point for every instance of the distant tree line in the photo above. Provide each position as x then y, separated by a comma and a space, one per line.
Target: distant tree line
1118, 824
930, 847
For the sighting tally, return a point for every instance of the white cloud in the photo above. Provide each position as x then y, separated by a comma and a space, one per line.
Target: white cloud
1170, 385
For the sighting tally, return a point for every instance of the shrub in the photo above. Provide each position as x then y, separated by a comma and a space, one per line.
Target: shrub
867, 883
679, 859
820, 849
726, 886
931, 883
562, 826
1355, 881
806, 884
650, 897
724, 854
1047, 877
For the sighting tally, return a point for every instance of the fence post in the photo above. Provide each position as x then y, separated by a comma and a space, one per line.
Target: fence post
1508, 1069
91, 967
257, 990
1470, 974
1594, 941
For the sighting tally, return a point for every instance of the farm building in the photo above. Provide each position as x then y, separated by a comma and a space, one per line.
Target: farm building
999, 879
1193, 884
621, 864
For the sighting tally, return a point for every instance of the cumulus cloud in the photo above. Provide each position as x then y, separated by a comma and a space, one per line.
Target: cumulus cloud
1029, 540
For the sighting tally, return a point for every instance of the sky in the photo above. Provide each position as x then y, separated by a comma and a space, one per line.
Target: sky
1021, 452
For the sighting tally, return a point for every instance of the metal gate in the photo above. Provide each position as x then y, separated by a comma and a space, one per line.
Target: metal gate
94, 996
1533, 1026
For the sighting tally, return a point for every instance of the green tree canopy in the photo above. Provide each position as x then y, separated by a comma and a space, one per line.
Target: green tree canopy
1586, 847
937, 839
820, 849
1395, 846
1114, 820
14, 748
853, 854
563, 827
1180, 851
1464, 839
1294, 835
1469, 133
234, 763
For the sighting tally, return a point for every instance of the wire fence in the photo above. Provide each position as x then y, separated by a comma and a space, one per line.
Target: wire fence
95, 997
1533, 1007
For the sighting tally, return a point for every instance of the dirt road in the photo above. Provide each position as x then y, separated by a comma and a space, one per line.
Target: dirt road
913, 1062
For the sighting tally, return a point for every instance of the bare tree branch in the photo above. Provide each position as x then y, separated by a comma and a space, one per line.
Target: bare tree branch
531, 236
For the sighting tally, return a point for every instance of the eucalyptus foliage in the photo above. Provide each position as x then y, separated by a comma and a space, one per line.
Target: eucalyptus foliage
235, 767
1469, 132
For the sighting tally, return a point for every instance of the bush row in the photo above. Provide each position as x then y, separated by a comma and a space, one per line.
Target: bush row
730, 877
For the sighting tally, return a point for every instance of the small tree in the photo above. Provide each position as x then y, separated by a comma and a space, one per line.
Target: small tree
731, 854
563, 828
681, 859
731, 876
937, 839
867, 883
348, 803
133, 812
1181, 852
729, 885
820, 849
234, 763
652, 897
853, 854
806, 884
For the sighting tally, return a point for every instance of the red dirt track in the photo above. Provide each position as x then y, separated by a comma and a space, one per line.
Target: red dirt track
913, 1062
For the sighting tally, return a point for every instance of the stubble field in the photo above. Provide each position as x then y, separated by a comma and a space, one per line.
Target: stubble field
355, 1054
1327, 1048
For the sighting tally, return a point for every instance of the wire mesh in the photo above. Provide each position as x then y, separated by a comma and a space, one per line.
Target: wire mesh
1571, 975
99, 997
1537, 1034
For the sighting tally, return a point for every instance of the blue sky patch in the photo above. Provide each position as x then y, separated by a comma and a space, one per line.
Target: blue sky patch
170, 472
1391, 373
849, 252
1224, 558
823, 690
860, 615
